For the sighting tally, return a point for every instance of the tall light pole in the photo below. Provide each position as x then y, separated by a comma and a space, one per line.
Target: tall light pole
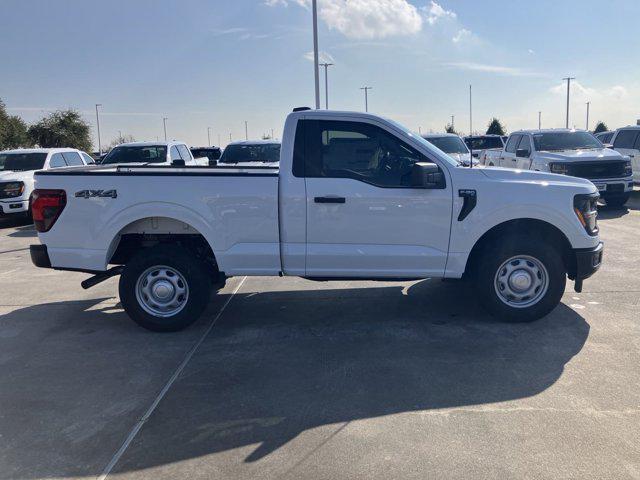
209, 135
246, 131
120, 139
164, 123
470, 128
588, 104
316, 69
272, 134
98, 125
452, 118
539, 120
366, 97
326, 84
568, 79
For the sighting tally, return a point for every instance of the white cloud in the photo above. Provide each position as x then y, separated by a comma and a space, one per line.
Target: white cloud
616, 92
323, 57
435, 12
498, 69
462, 35
228, 31
364, 19
531, 52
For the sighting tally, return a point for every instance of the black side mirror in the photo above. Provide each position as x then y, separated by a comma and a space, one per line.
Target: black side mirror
217, 154
522, 152
178, 162
427, 175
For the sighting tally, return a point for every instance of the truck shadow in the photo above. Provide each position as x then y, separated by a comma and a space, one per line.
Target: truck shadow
280, 363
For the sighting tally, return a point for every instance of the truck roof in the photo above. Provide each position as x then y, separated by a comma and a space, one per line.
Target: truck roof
151, 144
439, 135
256, 142
39, 150
550, 130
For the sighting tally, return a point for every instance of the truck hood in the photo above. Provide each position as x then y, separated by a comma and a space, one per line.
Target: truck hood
580, 155
542, 178
18, 176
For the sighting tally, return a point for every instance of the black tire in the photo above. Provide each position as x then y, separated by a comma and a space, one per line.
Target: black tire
189, 267
524, 246
617, 201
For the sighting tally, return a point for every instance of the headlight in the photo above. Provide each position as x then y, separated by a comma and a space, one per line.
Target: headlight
12, 189
585, 207
628, 170
560, 168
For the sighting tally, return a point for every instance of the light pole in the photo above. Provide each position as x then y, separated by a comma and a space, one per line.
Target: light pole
539, 120
568, 79
470, 128
120, 139
246, 131
452, 118
209, 135
588, 104
98, 125
316, 69
326, 84
366, 97
272, 134
164, 123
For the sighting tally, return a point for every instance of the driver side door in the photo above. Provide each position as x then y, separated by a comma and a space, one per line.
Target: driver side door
363, 217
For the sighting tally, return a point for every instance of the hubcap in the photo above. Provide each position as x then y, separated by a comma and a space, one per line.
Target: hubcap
162, 291
521, 281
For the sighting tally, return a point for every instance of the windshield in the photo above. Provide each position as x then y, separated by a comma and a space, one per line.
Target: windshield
269, 152
556, 141
483, 143
136, 154
449, 144
21, 162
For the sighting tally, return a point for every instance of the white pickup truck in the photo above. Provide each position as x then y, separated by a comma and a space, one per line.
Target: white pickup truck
568, 152
355, 196
157, 153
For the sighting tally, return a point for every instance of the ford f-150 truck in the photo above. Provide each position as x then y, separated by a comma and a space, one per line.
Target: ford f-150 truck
568, 152
355, 196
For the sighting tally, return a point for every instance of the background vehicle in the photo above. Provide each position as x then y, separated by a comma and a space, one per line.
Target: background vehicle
16, 173
605, 137
155, 153
212, 153
568, 152
262, 153
627, 142
452, 145
477, 143
356, 196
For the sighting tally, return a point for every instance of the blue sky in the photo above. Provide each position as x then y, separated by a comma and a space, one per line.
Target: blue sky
218, 63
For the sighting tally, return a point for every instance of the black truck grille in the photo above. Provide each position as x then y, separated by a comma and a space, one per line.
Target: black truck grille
609, 169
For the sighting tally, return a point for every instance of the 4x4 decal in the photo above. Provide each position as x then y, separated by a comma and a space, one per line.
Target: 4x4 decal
96, 194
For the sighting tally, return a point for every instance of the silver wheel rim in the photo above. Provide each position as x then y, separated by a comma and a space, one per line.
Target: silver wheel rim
521, 281
162, 291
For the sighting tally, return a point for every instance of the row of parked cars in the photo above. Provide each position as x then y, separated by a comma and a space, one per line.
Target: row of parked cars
17, 167
611, 162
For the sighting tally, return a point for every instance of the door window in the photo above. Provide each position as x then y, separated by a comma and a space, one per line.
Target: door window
88, 159
364, 152
175, 155
184, 152
57, 161
512, 143
72, 158
626, 139
525, 144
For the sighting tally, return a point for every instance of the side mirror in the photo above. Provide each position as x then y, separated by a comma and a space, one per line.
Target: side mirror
427, 175
217, 154
521, 152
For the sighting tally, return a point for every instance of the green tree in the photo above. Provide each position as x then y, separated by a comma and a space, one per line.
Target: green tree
601, 127
449, 129
13, 130
64, 128
495, 127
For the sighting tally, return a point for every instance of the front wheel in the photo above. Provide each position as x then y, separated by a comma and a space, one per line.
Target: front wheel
164, 289
521, 280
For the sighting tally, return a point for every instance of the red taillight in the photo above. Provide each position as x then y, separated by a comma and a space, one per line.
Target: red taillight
46, 207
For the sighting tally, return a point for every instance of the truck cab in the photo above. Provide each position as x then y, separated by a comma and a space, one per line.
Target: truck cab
156, 153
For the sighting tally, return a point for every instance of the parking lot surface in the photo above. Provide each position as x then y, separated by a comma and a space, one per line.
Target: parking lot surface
288, 378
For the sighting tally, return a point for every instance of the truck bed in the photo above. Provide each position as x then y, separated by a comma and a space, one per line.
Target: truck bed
235, 209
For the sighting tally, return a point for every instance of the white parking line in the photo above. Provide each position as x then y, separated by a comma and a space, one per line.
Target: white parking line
136, 428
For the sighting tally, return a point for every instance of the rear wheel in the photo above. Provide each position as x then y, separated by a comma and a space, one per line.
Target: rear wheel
616, 201
521, 280
164, 289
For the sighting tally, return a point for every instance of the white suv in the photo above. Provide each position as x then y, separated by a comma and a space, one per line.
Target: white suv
17, 168
626, 141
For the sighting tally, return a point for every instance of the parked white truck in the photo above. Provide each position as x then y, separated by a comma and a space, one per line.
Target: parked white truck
355, 196
157, 153
567, 152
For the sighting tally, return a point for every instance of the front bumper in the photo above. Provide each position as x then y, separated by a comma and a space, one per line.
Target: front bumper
588, 261
40, 256
10, 207
613, 186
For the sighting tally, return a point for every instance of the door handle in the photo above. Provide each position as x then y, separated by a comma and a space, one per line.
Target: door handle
329, 200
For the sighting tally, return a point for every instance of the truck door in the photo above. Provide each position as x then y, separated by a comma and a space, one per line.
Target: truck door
508, 156
627, 142
363, 217
523, 154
